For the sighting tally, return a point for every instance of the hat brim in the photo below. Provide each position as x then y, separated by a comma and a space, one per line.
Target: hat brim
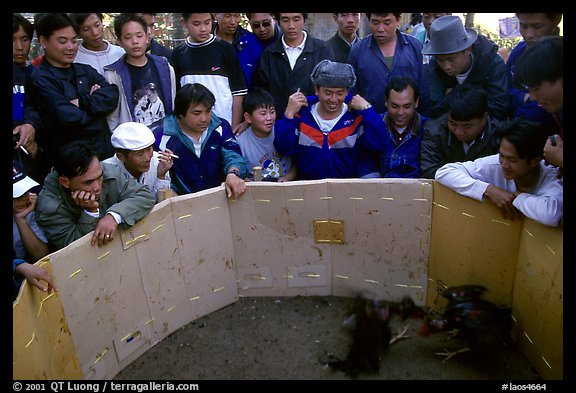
21, 187
430, 50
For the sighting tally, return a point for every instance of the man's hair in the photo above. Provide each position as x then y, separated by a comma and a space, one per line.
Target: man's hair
257, 98
555, 18
528, 137
277, 16
543, 61
248, 15
121, 19
79, 18
186, 16
467, 102
192, 94
18, 20
401, 83
74, 159
50, 22
398, 16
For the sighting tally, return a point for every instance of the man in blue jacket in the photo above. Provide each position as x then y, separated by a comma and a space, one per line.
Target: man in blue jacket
384, 54
532, 27
207, 150
396, 150
323, 131
462, 56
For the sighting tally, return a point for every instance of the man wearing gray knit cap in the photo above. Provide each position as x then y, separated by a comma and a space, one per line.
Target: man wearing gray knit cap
325, 129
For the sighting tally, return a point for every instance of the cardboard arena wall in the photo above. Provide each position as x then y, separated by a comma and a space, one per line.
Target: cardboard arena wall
195, 254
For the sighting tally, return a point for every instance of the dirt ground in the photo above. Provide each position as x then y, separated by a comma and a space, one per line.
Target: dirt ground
268, 338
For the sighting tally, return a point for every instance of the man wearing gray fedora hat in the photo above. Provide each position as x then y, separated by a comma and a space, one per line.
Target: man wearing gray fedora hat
462, 56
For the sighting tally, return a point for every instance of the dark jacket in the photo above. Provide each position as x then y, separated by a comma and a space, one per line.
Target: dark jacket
248, 49
440, 147
385, 156
488, 71
23, 112
51, 93
275, 75
158, 49
340, 47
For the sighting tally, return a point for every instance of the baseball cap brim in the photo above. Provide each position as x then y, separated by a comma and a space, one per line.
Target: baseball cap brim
21, 187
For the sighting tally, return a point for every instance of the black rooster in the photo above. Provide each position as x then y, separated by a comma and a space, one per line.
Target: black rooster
368, 321
476, 320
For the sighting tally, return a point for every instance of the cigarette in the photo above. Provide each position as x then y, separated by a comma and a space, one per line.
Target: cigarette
24, 150
298, 90
172, 155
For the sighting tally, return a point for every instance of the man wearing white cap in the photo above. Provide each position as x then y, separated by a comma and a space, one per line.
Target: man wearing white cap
462, 56
136, 156
29, 242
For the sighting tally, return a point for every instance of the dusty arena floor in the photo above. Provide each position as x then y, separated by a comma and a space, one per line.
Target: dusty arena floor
286, 338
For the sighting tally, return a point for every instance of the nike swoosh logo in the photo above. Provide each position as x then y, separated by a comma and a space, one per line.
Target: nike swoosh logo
216, 68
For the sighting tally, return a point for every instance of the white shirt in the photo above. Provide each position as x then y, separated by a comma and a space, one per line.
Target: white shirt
149, 178
99, 59
544, 204
293, 53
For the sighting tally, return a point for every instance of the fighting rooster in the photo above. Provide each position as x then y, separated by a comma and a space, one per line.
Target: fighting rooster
467, 315
368, 321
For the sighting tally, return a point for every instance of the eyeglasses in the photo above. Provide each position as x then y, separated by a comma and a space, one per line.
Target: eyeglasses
256, 25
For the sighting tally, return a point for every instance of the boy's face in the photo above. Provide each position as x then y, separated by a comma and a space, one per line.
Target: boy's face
134, 39
20, 46
549, 95
199, 27
92, 32
61, 47
261, 120
21, 203
513, 166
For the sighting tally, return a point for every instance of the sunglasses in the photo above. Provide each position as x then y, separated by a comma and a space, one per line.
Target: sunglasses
256, 25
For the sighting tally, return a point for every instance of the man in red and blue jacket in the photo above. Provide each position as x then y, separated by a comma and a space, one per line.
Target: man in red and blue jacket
323, 132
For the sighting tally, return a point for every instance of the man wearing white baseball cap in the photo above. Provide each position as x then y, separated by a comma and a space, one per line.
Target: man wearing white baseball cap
462, 56
136, 156
29, 243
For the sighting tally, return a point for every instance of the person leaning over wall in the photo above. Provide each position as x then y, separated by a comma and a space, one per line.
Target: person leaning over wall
82, 194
